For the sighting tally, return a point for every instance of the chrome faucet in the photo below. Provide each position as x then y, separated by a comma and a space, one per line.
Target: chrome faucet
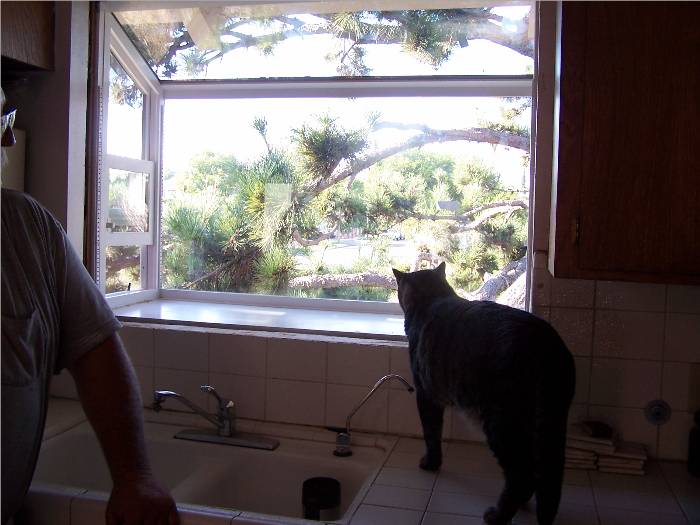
225, 418
342, 440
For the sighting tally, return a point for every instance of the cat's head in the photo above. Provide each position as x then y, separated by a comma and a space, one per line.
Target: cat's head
419, 287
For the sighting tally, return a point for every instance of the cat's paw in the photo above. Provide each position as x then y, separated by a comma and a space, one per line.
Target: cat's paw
431, 463
492, 516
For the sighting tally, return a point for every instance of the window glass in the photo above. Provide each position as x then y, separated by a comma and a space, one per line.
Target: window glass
331, 39
123, 268
125, 114
322, 197
128, 201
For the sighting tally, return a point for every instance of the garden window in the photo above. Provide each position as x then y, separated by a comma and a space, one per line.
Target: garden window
308, 148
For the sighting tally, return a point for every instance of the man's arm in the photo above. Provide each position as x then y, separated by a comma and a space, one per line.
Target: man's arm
110, 396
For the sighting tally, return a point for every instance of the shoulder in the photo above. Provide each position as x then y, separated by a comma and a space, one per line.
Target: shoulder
20, 208
18, 200
18, 203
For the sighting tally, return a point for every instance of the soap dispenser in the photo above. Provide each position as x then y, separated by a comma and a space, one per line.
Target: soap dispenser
694, 447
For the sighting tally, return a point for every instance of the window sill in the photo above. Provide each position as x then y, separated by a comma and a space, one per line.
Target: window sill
387, 326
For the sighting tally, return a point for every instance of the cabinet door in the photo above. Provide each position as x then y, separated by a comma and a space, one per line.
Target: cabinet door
28, 33
628, 176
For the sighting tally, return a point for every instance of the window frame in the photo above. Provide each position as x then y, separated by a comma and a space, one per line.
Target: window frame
115, 42
157, 92
136, 166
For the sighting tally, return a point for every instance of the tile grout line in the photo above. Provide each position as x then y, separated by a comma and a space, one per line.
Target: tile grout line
592, 348
432, 489
595, 500
673, 493
663, 368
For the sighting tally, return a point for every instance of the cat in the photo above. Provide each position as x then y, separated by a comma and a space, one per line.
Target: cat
505, 366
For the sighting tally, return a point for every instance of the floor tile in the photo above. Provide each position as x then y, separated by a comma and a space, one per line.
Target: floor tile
374, 515
567, 515
464, 504
468, 484
577, 477
576, 515
399, 497
473, 467
436, 518
526, 516
411, 445
647, 484
468, 451
636, 501
630, 517
408, 478
405, 460
577, 495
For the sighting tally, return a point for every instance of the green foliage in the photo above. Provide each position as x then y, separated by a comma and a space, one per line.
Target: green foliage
267, 43
187, 223
323, 146
213, 172
273, 271
426, 39
512, 117
470, 265
349, 208
510, 237
231, 223
122, 89
123, 268
194, 62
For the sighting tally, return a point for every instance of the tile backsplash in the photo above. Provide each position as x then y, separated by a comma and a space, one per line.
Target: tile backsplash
290, 378
633, 343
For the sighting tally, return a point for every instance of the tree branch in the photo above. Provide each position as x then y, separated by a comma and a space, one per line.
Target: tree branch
312, 242
489, 136
214, 273
499, 282
343, 280
464, 217
476, 25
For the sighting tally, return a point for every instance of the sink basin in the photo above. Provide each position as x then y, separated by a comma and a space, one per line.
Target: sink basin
259, 481
214, 475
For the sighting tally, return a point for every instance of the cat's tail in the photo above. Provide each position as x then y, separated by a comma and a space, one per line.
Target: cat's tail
550, 439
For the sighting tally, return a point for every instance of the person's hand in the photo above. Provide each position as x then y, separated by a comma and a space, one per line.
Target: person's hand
141, 502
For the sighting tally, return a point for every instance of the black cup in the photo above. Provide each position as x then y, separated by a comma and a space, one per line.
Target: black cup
320, 494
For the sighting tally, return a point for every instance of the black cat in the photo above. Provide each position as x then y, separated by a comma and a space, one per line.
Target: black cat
506, 366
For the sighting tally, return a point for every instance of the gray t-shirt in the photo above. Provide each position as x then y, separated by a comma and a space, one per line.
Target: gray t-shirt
52, 314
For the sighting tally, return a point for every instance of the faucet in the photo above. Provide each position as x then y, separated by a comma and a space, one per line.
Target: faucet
225, 419
342, 440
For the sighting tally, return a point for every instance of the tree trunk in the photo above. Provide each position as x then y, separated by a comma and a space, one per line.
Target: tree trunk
499, 282
343, 280
514, 295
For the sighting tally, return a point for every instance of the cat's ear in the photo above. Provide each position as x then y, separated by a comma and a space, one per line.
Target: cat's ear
398, 274
441, 269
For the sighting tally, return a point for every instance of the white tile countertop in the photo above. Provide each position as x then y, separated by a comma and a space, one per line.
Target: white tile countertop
282, 319
470, 480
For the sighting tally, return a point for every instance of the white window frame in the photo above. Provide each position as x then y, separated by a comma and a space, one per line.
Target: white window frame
136, 166
115, 42
158, 92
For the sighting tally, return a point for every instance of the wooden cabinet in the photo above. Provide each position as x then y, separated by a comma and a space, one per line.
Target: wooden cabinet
28, 34
626, 185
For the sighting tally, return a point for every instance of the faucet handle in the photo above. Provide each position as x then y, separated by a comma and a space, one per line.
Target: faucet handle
208, 389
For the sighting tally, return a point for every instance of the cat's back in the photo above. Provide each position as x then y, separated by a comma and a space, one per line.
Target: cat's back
488, 327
